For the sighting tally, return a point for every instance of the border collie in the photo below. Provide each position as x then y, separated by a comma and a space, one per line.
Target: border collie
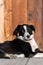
24, 45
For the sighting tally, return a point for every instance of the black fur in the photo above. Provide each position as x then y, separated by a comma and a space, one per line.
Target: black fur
3, 48
16, 46
20, 47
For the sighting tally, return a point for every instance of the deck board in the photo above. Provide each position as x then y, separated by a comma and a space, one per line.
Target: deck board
22, 61
35, 61
19, 61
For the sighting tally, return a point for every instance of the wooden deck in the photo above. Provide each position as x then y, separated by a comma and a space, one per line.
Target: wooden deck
22, 61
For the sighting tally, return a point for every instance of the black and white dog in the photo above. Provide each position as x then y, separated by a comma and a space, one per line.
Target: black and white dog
24, 44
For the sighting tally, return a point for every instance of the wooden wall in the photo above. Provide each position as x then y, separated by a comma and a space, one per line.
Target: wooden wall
2, 36
8, 19
19, 12
23, 12
35, 18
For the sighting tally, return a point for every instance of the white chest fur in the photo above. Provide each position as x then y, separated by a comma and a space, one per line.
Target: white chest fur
33, 44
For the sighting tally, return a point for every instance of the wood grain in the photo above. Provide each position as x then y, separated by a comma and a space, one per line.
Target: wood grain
2, 36
8, 19
35, 18
19, 12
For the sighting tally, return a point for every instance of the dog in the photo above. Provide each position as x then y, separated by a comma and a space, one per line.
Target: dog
24, 45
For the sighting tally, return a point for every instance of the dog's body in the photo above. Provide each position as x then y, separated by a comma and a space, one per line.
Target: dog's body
22, 47
24, 44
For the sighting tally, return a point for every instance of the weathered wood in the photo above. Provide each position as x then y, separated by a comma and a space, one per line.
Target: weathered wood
4, 61
22, 61
2, 36
19, 12
8, 19
35, 18
35, 61
18, 61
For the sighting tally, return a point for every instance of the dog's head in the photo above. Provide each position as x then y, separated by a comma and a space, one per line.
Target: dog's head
25, 31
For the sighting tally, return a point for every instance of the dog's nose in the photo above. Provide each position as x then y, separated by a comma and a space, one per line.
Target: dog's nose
28, 36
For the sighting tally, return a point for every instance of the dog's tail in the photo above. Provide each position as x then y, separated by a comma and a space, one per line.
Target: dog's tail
38, 51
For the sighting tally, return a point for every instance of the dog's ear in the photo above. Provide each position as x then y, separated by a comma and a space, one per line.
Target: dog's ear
32, 27
17, 30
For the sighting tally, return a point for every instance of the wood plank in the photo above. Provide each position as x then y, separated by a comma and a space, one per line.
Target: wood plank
35, 18
8, 19
4, 61
35, 61
22, 61
19, 12
18, 61
2, 36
